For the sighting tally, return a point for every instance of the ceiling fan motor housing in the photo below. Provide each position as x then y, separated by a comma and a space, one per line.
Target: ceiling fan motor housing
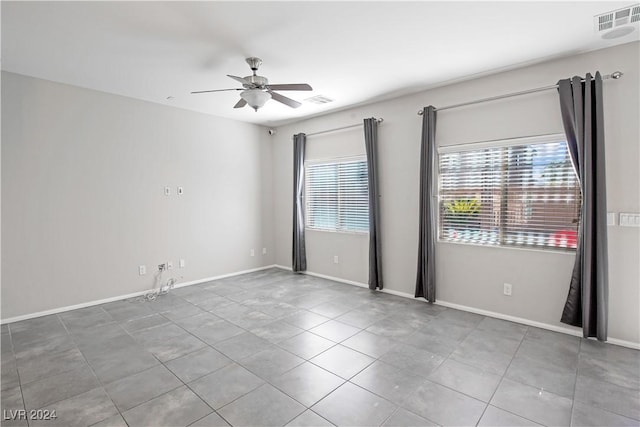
256, 82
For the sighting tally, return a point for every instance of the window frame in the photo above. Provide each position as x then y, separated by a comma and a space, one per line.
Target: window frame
498, 143
331, 160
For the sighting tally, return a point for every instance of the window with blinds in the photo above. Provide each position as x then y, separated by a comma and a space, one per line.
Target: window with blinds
336, 196
509, 193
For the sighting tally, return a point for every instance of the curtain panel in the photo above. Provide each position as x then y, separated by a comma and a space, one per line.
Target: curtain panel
426, 277
299, 259
583, 119
375, 253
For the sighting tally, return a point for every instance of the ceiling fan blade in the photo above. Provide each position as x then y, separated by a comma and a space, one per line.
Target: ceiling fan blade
295, 86
283, 99
240, 103
241, 80
215, 90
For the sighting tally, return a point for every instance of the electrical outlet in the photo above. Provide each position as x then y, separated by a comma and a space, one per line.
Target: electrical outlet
264, 251
336, 260
169, 265
507, 289
182, 263
142, 270
253, 252
167, 191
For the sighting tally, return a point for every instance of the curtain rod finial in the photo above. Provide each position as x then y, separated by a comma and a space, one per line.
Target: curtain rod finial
421, 112
616, 75
380, 120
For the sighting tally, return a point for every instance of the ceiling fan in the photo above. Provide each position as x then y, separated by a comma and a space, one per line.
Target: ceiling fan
256, 90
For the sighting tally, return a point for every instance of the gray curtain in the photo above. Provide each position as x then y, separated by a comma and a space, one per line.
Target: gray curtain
299, 250
426, 280
375, 261
583, 120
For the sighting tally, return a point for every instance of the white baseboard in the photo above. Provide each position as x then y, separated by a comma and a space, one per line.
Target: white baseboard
223, 276
335, 279
575, 332
121, 297
70, 307
565, 330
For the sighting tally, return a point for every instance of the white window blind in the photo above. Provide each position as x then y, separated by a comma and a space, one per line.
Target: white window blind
524, 195
336, 196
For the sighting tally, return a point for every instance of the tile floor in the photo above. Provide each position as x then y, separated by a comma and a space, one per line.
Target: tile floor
273, 348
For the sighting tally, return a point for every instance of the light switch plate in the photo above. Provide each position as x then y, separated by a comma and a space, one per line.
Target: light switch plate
629, 219
611, 218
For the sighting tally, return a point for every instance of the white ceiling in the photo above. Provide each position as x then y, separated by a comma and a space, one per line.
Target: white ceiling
352, 52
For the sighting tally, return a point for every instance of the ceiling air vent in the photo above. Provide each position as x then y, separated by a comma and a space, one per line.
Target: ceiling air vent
319, 99
617, 18
605, 22
635, 14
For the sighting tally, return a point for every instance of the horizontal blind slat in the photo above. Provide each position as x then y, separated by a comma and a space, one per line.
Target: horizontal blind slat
521, 195
336, 195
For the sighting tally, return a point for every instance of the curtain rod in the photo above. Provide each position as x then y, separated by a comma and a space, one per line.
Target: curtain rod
342, 128
615, 76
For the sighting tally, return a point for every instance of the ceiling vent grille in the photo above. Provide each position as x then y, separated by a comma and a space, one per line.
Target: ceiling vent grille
617, 18
319, 99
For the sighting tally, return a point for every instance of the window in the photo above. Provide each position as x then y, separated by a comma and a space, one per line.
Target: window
521, 193
336, 196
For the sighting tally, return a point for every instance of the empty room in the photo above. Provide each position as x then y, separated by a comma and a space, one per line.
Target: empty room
313, 213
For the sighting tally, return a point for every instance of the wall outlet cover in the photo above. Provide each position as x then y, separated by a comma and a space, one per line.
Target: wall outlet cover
508, 288
142, 270
182, 263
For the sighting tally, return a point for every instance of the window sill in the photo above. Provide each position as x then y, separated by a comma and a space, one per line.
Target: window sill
571, 252
323, 230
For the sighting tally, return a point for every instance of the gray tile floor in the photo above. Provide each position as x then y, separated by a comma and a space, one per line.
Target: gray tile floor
273, 348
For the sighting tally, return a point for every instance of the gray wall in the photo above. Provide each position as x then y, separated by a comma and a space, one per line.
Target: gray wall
83, 174
473, 276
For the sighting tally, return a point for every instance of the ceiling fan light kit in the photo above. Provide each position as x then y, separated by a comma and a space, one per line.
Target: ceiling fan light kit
256, 90
255, 98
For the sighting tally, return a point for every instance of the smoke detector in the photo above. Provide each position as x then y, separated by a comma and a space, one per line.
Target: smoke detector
617, 23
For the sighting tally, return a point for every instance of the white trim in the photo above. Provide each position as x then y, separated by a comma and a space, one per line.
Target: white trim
497, 143
565, 330
336, 279
333, 160
121, 297
576, 332
70, 307
561, 329
624, 343
222, 276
